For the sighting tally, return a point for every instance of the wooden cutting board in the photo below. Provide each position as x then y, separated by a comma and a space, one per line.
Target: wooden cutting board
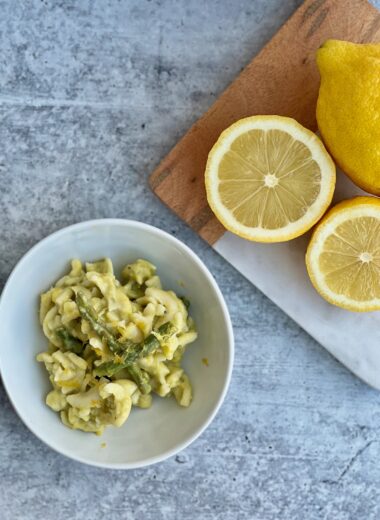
282, 79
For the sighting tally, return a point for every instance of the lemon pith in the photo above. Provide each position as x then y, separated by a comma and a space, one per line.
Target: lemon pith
269, 179
348, 109
343, 256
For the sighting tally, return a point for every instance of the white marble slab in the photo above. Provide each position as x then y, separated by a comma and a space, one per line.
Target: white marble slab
279, 271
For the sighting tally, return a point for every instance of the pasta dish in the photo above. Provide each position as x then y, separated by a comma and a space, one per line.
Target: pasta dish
112, 344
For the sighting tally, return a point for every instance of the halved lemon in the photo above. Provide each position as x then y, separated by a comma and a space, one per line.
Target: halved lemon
269, 179
343, 257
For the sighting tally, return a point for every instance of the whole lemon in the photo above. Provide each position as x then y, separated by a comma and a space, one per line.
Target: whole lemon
348, 109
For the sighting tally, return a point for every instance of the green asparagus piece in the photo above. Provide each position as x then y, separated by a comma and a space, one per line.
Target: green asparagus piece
146, 347
152, 343
140, 377
110, 368
68, 340
88, 313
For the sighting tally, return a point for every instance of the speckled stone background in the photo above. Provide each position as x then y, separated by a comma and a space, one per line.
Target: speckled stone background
92, 95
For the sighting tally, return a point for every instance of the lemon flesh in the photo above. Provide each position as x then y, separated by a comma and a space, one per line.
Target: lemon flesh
343, 257
348, 109
269, 179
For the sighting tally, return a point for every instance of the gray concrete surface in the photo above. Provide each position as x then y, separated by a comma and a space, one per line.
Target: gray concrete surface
92, 95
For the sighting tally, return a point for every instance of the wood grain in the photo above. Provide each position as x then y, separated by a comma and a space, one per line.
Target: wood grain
282, 79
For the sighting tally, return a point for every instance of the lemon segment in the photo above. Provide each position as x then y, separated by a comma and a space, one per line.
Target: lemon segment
269, 179
343, 257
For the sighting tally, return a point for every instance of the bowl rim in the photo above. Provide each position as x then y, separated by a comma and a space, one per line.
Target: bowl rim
130, 223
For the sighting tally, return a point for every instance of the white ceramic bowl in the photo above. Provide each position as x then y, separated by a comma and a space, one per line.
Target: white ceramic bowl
148, 436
